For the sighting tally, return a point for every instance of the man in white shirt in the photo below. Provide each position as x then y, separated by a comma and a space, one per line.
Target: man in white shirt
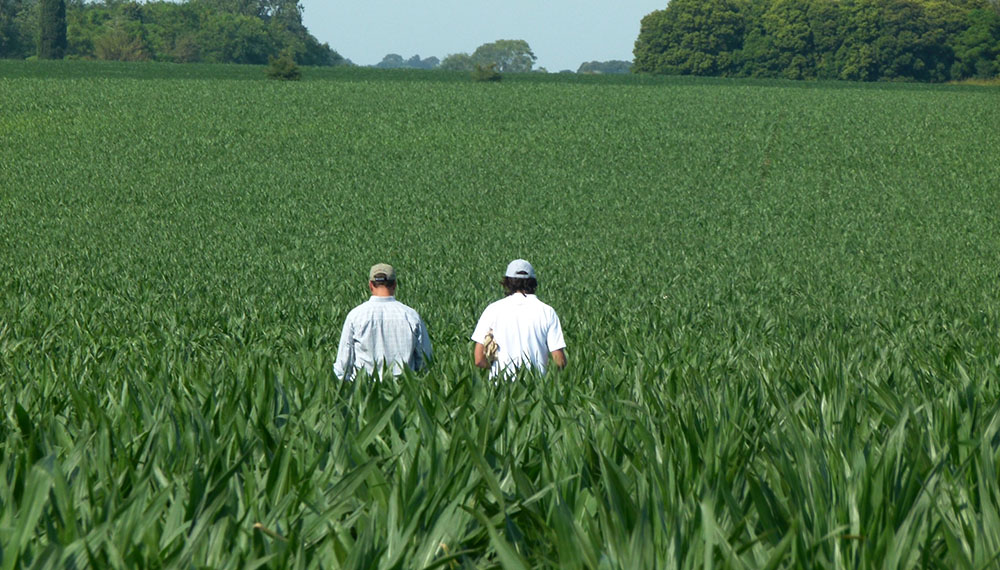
526, 331
382, 333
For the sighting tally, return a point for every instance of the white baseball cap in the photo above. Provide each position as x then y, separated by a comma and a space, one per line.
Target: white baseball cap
520, 269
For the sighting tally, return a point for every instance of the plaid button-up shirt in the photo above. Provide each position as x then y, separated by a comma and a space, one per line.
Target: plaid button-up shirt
382, 334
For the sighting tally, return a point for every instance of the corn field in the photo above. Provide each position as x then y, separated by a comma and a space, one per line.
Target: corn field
781, 303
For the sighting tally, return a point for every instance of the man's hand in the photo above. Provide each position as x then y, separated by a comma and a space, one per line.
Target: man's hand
479, 355
559, 357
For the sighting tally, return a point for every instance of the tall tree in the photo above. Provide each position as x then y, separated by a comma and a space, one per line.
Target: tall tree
457, 62
610, 66
507, 55
977, 49
391, 61
9, 40
779, 40
699, 37
52, 29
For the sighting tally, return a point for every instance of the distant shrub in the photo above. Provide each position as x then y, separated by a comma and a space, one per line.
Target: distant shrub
612, 66
283, 67
123, 41
186, 49
486, 73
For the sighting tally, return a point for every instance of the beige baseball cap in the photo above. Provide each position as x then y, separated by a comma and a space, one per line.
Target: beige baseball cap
387, 272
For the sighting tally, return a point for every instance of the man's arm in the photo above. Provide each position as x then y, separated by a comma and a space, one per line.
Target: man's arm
559, 357
555, 339
423, 348
482, 329
479, 355
344, 365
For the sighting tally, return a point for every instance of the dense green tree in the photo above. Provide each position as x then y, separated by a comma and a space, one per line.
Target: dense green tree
611, 66
500, 56
242, 31
427, 63
699, 37
122, 41
921, 52
82, 26
396, 61
391, 61
284, 19
235, 38
171, 31
505, 55
866, 40
241, 7
977, 48
779, 41
8, 30
284, 67
15, 39
826, 24
894, 40
457, 62
288, 12
52, 29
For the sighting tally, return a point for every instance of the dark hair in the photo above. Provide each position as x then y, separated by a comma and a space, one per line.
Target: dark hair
526, 285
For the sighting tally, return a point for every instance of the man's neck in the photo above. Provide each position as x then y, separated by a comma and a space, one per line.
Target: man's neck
382, 292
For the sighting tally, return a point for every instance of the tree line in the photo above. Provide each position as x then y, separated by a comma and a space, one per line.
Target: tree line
859, 40
213, 31
502, 55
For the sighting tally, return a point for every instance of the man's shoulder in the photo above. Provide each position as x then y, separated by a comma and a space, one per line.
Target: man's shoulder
519, 300
407, 310
360, 308
498, 305
410, 310
366, 308
546, 311
377, 309
540, 304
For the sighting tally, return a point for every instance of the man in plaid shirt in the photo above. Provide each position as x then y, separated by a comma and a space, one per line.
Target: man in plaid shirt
382, 334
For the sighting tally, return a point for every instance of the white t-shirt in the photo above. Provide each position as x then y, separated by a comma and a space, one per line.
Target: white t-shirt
525, 329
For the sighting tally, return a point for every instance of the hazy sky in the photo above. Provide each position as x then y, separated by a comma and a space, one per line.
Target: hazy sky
562, 33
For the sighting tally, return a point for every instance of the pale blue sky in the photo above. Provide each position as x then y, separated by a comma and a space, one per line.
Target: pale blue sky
562, 33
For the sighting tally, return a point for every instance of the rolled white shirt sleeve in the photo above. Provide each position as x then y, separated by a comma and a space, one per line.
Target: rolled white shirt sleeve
482, 327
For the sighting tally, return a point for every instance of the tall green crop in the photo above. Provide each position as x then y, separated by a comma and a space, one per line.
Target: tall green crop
780, 301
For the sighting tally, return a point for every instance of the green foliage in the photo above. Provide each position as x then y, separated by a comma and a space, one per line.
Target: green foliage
809, 380
121, 41
486, 73
15, 40
235, 38
508, 56
695, 37
977, 49
284, 67
866, 40
457, 62
396, 61
197, 30
779, 41
52, 29
611, 66
502, 56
